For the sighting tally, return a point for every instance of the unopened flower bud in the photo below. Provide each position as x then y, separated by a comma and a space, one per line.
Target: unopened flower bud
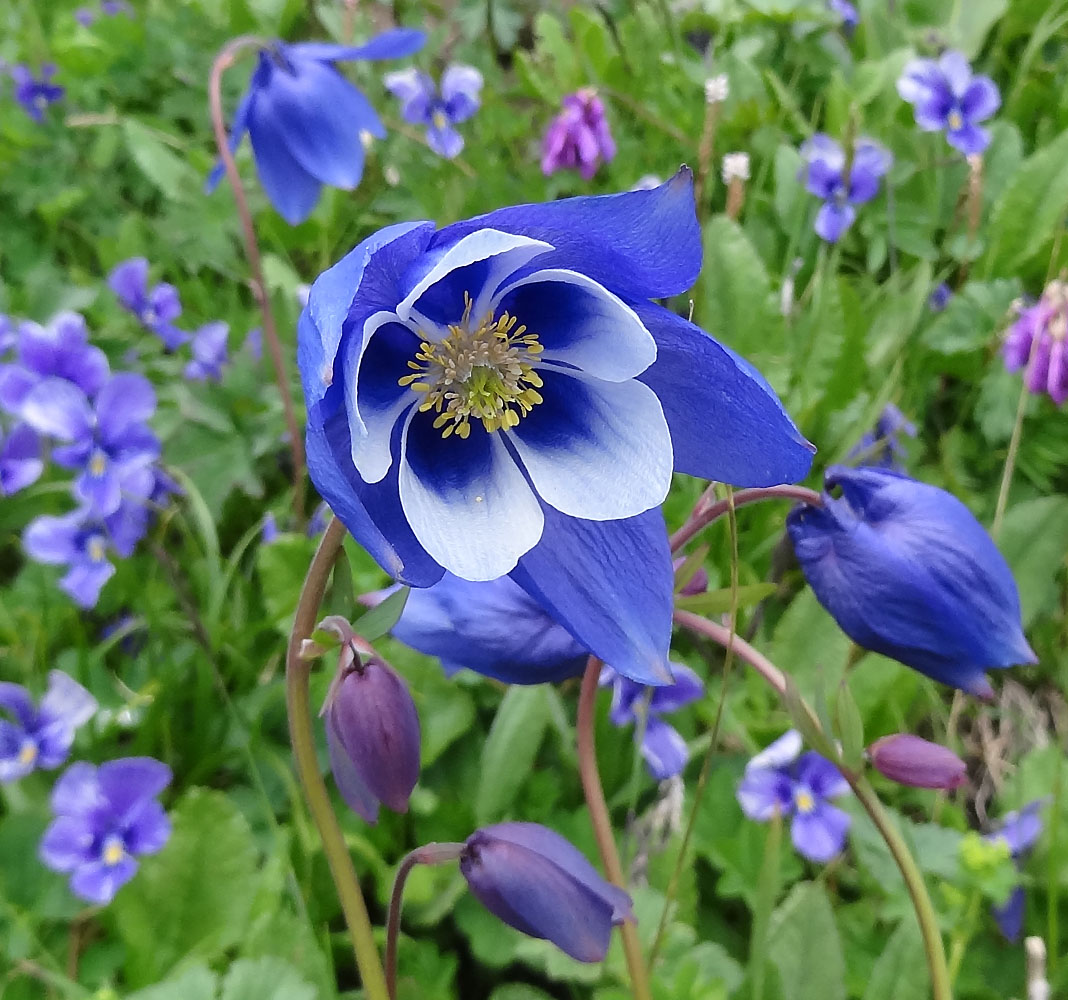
372, 732
717, 89
697, 584
540, 884
735, 165
909, 760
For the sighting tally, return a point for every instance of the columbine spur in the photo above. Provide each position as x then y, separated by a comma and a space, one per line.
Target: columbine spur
502, 397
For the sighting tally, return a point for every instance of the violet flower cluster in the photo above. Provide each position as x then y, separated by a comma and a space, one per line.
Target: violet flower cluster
59, 391
36, 93
438, 109
578, 137
1037, 343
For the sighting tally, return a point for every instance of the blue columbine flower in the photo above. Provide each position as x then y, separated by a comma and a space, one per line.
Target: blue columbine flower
907, 571
60, 350
537, 882
881, 446
782, 780
493, 627
663, 748
422, 103
304, 119
947, 96
155, 309
1019, 832
502, 397
107, 441
105, 818
824, 176
209, 352
40, 736
35, 94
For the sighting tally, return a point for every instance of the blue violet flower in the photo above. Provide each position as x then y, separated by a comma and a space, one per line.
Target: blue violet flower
155, 308
1019, 832
824, 175
439, 112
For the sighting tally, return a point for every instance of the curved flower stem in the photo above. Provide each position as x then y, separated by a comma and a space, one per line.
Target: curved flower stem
428, 854
941, 988
602, 822
223, 61
707, 509
300, 734
1010, 458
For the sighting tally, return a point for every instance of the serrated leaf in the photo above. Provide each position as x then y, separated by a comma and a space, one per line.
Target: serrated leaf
806, 947
510, 749
266, 978
195, 983
1034, 540
973, 318
900, 972
161, 165
382, 617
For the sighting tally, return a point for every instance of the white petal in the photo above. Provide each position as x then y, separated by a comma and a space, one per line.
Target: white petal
785, 750
594, 449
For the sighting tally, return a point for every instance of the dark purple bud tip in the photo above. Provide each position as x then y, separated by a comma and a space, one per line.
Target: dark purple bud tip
909, 760
540, 884
372, 732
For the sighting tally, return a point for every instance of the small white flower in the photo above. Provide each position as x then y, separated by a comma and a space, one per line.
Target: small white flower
392, 175
735, 166
717, 89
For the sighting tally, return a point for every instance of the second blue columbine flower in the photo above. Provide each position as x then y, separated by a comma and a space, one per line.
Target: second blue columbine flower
502, 397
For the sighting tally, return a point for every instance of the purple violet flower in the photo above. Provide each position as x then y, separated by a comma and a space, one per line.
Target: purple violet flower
423, 105
111, 8
304, 119
537, 882
1037, 343
40, 736
84, 16
1019, 831
847, 15
946, 96
35, 94
824, 176
20, 459
269, 529
107, 441
317, 522
105, 818
780, 779
209, 352
578, 137
154, 309
881, 447
61, 350
663, 748
939, 297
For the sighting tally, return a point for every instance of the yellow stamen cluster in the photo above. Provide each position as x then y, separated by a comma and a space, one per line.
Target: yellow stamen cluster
27, 753
480, 371
804, 802
113, 851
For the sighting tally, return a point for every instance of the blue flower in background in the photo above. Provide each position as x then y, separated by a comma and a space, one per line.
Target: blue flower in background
1019, 831
537, 882
781, 780
947, 97
35, 94
847, 15
209, 352
317, 522
493, 627
106, 817
20, 459
304, 119
881, 447
907, 571
939, 297
457, 101
501, 397
155, 308
40, 736
61, 350
83, 543
663, 748
578, 138
107, 441
824, 175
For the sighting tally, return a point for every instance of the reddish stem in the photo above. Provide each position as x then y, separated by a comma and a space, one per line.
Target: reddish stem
724, 637
706, 511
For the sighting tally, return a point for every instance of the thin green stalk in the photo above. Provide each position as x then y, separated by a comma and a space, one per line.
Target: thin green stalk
1053, 873
1010, 459
298, 705
962, 935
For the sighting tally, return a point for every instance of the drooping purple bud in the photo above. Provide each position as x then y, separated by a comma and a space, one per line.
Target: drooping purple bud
372, 733
540, 884
909, 760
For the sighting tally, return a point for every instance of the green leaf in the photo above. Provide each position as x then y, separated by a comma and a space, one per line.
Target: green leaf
266, 978
719, 601
900, 972
1034, 540
805, 946
197, 982
163, 167
1029, 209
850, 727
194, 898
973, 318
809, 645
381, 618
512, 744
281, 567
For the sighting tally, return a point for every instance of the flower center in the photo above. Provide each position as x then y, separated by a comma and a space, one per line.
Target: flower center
98, 464
955, 120
27, 752
804, 801
439, 119
113, 850
483, 372
97, 549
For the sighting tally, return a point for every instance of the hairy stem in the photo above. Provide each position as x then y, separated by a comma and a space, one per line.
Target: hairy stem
223, 61
602, 822
708, 509
941, 988
315, 793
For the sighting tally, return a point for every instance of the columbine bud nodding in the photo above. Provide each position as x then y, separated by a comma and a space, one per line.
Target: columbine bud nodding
910, 760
